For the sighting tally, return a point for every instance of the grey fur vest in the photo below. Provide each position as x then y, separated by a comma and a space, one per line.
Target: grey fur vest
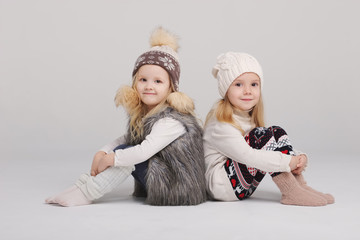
176, 174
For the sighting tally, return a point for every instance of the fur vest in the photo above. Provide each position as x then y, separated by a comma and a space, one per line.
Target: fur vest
176, 174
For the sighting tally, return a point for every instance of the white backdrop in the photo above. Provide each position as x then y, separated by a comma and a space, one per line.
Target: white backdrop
61, 63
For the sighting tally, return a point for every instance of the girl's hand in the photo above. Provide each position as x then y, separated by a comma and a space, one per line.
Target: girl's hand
301, 165
105, 162
94, 166
295, 160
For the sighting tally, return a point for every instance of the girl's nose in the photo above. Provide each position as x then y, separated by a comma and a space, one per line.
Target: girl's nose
247, 90
148, 85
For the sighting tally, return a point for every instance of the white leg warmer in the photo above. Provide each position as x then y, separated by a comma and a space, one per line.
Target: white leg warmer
95, 187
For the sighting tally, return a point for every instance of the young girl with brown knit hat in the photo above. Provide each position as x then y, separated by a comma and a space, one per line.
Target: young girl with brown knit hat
162, 148
239, 150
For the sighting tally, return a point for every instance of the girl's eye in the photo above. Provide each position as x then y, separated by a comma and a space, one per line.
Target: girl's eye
238, 84
142, 80
255, 84
158, 81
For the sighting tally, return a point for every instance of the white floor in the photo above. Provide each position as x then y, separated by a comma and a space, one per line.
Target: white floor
26, 182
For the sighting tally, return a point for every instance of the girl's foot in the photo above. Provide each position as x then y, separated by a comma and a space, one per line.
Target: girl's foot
51, 199
300, 178
71, 198
294, 194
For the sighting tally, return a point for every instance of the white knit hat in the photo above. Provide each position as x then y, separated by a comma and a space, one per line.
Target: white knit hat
231, 65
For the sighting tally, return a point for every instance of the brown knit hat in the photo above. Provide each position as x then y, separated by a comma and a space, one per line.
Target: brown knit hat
162, 53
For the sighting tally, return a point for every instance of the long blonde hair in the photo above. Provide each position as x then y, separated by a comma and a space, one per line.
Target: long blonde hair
129, 98
224, 110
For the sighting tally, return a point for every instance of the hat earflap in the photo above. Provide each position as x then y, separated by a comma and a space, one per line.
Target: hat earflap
181, 102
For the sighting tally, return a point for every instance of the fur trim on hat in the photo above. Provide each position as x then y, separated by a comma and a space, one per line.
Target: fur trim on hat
162, 37
181, 102
127, 97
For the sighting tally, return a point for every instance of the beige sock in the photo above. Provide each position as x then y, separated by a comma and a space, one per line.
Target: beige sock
71, 198
300, 178
51, 199
293, 194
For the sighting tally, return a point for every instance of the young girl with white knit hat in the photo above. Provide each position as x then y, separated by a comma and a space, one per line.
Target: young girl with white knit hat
162, 148
239, 150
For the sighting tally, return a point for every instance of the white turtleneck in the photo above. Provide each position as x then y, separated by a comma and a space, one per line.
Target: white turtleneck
222, 141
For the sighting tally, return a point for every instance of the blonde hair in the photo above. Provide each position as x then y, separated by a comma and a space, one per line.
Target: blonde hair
224, 110
130, 99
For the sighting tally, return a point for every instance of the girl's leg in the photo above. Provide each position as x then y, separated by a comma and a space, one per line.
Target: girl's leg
139, 175
270, 139
106, 181
285, 147
244, 180
89, 188
276, 139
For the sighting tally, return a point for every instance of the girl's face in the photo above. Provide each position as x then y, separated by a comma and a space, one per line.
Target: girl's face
244, 91
152, 84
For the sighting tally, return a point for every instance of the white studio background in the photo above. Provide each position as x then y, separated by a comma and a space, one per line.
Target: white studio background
61, 63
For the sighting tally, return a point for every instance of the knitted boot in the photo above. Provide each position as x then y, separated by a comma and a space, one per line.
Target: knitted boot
300, 178
293, 194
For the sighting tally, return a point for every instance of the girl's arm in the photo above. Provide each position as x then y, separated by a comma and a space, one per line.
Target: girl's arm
95, 163
111, 146
303, 162
164, 131
229, 141
108, 148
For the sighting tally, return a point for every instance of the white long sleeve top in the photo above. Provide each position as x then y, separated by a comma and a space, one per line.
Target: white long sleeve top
222, 141
164, 131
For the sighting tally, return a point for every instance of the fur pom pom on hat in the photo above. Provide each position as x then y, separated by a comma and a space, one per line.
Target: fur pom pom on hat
163, 52
129, 99
231, 65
